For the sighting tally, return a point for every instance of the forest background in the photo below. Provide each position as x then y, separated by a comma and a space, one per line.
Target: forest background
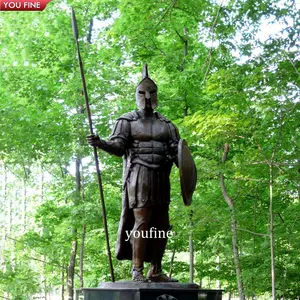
228, 77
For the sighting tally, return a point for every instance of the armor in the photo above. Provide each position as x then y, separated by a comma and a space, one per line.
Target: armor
150, 147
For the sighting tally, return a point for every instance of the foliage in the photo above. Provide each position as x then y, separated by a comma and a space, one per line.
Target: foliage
221, 80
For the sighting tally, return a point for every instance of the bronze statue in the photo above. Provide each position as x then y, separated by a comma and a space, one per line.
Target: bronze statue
148, 143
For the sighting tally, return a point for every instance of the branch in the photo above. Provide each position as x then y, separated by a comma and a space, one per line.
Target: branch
189, 13
262, 152
89, 37
246, 179
37, 259
270, 161
281, 218
238, 192
228, 200
164, 14
160, 50
180, 36
44, 261
292, 63
252, 232
225, 154
278, 138
185, 50
209, 57
274, 163
40, 260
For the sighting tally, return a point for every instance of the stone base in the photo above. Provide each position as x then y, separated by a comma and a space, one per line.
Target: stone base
128, 290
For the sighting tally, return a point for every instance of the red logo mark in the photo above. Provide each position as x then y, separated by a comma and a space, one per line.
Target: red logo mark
23, 5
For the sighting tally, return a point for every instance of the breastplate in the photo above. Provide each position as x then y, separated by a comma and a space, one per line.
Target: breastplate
149, 139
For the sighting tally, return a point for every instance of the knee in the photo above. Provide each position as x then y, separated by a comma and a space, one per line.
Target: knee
140, 225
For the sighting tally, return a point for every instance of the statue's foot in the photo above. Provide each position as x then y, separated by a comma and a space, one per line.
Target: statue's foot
137, 275
161, 277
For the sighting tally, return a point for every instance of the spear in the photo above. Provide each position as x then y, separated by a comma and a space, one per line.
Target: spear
75, 32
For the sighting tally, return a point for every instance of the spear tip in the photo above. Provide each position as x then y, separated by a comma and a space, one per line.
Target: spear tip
74, 25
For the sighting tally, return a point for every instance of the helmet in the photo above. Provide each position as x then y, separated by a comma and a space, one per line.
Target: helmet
146, 91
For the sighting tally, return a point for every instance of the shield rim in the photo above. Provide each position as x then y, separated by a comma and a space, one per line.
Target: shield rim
187, 201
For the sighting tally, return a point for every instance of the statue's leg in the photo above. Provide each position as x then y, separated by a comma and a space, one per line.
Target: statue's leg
142, 217
159, 245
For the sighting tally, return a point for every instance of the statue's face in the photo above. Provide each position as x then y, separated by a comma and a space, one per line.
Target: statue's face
146, 94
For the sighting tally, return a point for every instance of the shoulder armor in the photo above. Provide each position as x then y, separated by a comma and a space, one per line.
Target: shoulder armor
130, 116
161, 117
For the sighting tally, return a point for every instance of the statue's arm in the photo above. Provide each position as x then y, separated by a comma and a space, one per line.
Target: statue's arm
116, 145
173, 142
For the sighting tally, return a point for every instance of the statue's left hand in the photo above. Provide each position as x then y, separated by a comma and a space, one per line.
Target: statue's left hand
93, 140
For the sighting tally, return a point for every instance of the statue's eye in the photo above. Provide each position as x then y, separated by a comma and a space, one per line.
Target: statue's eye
141, 92
152, 92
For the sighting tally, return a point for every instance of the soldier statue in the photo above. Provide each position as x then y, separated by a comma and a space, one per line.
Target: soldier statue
148, 143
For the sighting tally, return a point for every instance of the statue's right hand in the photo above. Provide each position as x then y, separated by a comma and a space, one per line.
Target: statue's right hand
93, 140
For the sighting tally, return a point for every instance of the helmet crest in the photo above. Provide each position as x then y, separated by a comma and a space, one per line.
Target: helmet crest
145, 71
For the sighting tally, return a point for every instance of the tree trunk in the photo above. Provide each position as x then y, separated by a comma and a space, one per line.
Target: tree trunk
9, 215
236, 256
254, 248
200, 274
191, 247
43, 259
172, 262
72, 263
230, 203
82, 255
44, 276
24, 205
83, 232
4, 188
42, 183
6, 231
63, 284
89, 37
184, 39
272, 235
71, 267
218, 286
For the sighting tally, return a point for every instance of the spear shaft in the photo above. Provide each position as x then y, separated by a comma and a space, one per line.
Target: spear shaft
75, 32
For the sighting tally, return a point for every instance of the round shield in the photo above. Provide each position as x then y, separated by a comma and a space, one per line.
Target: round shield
187, 171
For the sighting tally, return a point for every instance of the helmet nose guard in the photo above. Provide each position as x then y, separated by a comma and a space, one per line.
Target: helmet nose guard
146, 90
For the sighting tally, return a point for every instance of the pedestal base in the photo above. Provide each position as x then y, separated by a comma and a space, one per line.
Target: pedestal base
128, 290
